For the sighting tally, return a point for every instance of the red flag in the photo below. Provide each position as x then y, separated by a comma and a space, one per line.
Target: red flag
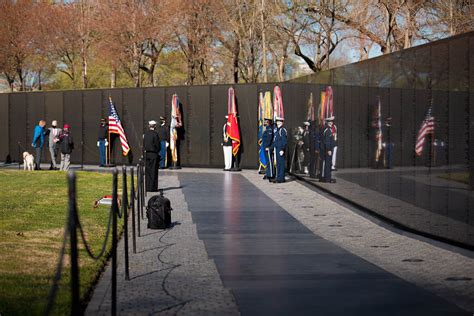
233, 124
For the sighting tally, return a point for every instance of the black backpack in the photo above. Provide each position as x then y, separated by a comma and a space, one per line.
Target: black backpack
158, 212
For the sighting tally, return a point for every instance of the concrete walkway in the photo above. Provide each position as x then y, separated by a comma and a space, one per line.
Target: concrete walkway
244, 245
170, 274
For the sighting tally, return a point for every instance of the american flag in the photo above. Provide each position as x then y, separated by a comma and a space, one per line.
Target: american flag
427, 127
115, 127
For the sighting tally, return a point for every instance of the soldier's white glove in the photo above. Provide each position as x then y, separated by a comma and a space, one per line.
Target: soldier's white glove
98, 143
281, 152
167, 144
106, 143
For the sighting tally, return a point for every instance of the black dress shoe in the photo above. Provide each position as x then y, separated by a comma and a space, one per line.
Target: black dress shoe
265, 177
272, 180
280, 181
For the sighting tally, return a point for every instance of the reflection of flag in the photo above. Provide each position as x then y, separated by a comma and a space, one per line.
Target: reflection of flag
427, 127
115, 127
377, 124
277, 104
261, 118
174, 125
310, 113
233, 128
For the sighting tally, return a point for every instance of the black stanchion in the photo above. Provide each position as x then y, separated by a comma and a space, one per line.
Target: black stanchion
82, 155
143, 191
125, 219
132, 206
72, 227
139, 203
114, 243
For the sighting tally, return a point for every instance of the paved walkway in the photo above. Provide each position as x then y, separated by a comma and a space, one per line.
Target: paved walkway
416, 197
170, 274
244, 245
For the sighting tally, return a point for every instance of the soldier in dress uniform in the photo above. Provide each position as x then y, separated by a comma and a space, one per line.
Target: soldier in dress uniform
164, 134
267, 139
327, 147
226, 146
152, 146
279, 146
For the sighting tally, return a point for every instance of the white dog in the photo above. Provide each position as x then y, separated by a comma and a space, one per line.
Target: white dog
28, 161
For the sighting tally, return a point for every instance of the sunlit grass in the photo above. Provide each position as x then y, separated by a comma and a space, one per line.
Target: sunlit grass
33, 209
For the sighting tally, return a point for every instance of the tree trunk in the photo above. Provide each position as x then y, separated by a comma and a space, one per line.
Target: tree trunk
113, 78
264, 48
235, 60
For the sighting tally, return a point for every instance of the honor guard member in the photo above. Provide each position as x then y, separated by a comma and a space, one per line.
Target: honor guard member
327, 147
226, 146
267, 139
279, 145
102, 141
164, 134
151, 143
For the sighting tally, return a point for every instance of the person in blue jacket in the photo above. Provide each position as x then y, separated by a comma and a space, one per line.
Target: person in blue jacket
38, 142
267, 142
279, 145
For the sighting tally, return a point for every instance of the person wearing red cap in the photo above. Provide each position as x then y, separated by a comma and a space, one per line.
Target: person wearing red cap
66, 145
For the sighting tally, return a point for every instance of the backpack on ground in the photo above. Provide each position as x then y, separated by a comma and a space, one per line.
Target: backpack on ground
158, 212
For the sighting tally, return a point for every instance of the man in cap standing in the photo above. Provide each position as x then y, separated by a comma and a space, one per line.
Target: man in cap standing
53, 141
164, 134
279, 144
102, 142
327, 147
67, 145
152, 146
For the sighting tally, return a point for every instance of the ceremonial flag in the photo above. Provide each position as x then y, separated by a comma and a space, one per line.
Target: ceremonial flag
261, 119
267, 105
278, 111
321, 109
115, 127
377, 124
427, 127
233, 129
174, 125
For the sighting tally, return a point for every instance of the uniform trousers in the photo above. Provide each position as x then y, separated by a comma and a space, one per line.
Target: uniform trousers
151, 172
327, 176
163, 154
227, 157
280, 165
269, 168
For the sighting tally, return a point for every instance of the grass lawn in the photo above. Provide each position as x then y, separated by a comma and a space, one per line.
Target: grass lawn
33, 208
462, 177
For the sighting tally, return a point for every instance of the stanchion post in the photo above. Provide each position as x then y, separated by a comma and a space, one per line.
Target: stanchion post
125, 219
142, 196
132, 206
82, 155
139, 203
75, 304
114, 243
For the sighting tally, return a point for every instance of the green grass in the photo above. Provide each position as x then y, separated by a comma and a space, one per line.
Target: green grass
33, 208
462, 177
